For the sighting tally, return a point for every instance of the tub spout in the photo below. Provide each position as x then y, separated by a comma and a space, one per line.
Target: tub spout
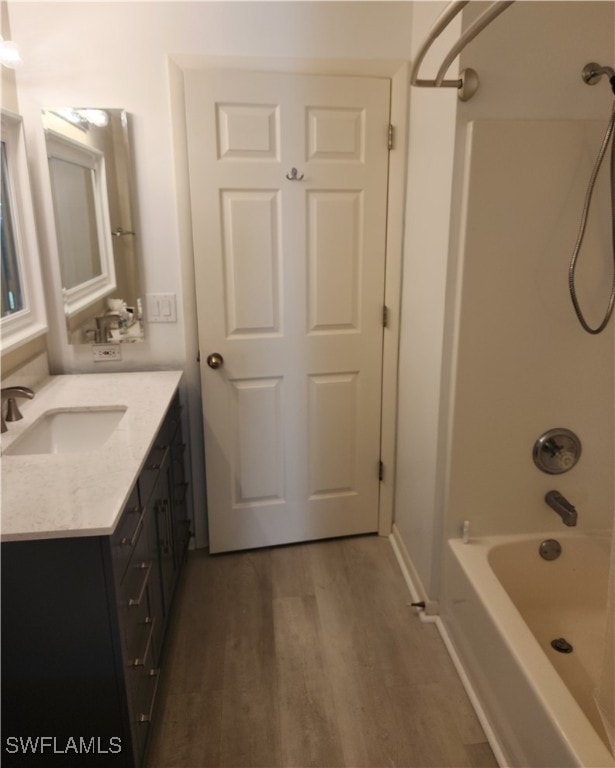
562, 506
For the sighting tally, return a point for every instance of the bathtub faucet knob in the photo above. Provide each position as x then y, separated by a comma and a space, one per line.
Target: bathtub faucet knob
562, 506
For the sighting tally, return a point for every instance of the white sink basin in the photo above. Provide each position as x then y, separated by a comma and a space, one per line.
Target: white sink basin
68, 431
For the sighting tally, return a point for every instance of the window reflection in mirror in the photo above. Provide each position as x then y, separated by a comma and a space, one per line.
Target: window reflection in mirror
22, 308
72, 188
83, 227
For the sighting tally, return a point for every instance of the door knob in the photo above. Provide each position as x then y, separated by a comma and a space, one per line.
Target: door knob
215, 360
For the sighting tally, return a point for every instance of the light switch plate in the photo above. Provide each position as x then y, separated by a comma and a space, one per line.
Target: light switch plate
161, 307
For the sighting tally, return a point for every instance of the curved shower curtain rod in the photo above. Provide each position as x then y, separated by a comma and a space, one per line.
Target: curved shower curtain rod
467, 83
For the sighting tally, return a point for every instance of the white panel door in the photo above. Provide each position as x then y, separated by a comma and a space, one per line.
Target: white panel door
290, 289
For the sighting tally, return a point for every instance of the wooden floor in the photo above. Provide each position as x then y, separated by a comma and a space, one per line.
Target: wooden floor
308, 655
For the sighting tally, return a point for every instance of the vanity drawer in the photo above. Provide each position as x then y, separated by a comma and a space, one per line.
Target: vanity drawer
151, 470
137, 611
178, 451
140, 639
145, 687
133, 593
174, 417
127, 533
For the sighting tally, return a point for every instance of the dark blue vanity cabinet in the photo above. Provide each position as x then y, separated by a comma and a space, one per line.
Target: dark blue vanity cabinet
84, 620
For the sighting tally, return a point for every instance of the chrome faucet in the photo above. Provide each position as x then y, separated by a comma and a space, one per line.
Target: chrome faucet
562, 506
103, 323
12, 411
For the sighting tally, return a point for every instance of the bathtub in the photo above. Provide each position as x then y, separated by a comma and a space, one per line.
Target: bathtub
502, 606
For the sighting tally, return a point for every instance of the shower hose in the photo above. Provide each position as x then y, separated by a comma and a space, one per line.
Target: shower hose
577, 247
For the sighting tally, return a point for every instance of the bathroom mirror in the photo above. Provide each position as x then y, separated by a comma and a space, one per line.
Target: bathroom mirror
22, 315
89, 158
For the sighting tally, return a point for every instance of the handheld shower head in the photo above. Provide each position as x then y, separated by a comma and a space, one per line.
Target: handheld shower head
592, 74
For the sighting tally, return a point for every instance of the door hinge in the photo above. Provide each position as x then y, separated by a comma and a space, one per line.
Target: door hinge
385, 316
391, 136
381, 470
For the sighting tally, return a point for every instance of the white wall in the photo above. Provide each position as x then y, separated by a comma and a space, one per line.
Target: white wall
9, 89
430, 167
116, 55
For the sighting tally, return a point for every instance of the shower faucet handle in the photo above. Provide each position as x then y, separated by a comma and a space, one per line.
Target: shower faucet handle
556, 451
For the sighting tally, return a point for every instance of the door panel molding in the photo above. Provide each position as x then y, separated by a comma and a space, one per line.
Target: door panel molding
251, 251
259, 474
248, 131
334, 219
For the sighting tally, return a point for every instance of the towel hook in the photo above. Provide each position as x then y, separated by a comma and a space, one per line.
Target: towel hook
293, 175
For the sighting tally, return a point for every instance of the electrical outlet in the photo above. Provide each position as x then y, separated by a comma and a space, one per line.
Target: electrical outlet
103, 352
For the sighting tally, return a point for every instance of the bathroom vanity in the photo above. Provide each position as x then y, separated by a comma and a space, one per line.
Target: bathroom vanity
93, 542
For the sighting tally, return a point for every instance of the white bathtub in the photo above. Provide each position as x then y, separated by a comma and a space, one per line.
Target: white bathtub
502, 606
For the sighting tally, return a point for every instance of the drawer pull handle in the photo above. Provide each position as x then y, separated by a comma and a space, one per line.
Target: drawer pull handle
136, 601
132, 540
147, 718
139, 661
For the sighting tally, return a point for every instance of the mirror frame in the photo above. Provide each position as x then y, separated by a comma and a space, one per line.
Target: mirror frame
85, 294
20, 327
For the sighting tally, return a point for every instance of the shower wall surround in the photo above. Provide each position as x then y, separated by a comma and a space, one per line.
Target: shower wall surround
524, 154
523, 363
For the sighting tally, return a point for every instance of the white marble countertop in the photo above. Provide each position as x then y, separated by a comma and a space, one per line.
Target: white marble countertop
82, 493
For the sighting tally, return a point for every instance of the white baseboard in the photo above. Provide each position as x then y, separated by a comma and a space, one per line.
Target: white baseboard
411, 576
418, 594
